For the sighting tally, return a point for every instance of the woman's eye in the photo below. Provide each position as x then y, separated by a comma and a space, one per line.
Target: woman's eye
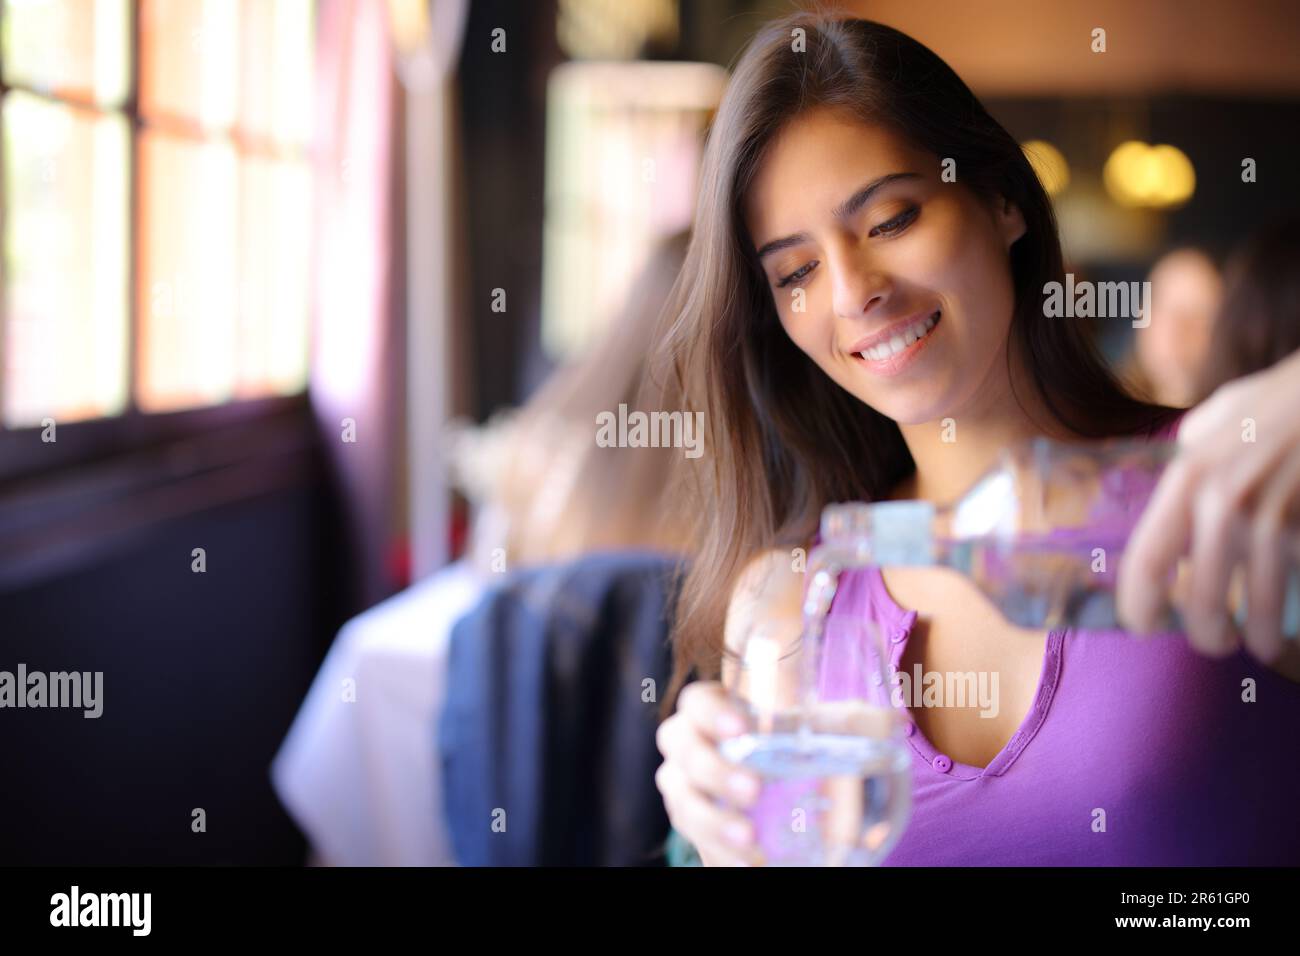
896, 225
797, 275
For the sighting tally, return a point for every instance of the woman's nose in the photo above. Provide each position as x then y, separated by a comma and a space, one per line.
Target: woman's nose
857, 286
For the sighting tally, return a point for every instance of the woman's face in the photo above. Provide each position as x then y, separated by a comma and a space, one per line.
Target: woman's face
896, 283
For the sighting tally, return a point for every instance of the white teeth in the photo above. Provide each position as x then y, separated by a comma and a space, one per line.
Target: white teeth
897, 343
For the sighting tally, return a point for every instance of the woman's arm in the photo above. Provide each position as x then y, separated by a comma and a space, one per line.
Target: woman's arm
1233, 494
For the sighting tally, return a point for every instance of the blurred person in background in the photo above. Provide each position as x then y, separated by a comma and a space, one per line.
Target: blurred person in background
1259, 321
1169, 354
546, 490
358, 769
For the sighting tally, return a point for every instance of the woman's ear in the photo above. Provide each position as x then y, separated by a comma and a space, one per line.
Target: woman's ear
1011, 222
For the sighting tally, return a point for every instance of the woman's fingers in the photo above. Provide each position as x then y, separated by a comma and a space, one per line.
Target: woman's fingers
714, 717
704, 793
1269, 557
1154, 547
1237, 503
1230, 447
702, 764
1206, 617
706, 705
722, 835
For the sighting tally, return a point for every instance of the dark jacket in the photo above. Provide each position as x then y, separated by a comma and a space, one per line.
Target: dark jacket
547, 736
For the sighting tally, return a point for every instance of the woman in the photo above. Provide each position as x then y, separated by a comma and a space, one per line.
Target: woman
865, 281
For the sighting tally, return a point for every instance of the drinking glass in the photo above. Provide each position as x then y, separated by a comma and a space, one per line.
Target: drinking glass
825, 739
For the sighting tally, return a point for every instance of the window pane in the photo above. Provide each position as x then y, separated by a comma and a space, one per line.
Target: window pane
277, 43
187, 293
65, 261
76, 48
623, 146
189, 61
275, 255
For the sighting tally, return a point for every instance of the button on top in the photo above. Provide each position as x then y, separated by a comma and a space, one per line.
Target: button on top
899, 633
941, 763
909, 728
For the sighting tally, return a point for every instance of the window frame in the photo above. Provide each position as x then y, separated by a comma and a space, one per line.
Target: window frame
23, 454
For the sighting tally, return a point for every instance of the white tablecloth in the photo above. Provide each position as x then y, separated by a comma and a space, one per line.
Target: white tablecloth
360, 777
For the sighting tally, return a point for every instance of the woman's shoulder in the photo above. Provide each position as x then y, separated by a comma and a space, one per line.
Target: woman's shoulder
773, 585
770, 585
863, 594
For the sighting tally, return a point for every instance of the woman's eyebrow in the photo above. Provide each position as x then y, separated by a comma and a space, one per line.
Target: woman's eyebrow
842, 211
863, 195
785, 242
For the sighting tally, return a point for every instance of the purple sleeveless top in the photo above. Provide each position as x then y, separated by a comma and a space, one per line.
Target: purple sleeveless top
1146, 729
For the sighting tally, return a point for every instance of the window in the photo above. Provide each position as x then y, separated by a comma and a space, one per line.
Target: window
157, 204
624, 145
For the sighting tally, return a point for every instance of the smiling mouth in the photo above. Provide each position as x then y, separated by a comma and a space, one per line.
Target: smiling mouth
902, 340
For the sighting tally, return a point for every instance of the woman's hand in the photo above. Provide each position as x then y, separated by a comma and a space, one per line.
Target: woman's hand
704, 794
1231, 492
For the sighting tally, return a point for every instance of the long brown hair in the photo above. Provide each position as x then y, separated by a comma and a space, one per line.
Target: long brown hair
782, 440
543, 490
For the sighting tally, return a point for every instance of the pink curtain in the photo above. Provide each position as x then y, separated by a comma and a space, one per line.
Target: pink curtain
355, 362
